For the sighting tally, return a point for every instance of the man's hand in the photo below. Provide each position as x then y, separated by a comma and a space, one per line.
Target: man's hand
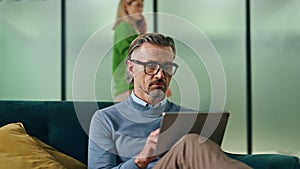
147, 154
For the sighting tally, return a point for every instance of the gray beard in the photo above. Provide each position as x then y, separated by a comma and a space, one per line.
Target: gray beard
156, 96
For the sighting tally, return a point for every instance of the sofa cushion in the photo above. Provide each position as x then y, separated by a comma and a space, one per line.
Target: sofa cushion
20, 150
30, 113
68, 126
64, 159
268, 161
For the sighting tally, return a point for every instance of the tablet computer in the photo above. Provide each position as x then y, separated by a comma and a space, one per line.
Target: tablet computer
174, 125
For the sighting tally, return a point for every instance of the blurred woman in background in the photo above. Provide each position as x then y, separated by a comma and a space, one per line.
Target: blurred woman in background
128, 25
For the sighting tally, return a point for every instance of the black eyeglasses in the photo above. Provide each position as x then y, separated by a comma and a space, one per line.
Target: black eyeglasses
152, 67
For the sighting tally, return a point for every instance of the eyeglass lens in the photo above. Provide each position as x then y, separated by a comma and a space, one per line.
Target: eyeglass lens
153, 68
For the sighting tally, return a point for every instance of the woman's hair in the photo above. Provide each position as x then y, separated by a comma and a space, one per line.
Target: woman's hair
121, 13
152, 38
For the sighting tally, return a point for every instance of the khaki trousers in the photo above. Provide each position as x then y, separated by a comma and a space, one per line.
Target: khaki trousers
191, 153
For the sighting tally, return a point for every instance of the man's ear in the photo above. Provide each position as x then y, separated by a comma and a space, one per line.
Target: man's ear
130, 67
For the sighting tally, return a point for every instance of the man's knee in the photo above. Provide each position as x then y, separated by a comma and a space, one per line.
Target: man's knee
196, 141
191, 136
196, 138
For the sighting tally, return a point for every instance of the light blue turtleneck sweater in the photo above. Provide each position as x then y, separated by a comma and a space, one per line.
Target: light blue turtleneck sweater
118, 133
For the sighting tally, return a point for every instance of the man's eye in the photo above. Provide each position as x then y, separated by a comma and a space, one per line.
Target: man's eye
152, 66
168, 67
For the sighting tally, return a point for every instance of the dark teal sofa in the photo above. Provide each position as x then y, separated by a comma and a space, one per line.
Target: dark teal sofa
64, 125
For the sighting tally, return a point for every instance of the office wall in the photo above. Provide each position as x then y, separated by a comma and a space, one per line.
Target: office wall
223, 22
90, 22
276, 79
30, 50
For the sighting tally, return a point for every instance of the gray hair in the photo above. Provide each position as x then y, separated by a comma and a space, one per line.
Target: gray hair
152, 38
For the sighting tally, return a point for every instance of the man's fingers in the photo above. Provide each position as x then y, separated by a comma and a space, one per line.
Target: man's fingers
155, 132
153, 139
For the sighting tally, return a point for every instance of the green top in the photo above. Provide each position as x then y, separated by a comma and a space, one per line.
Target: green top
124, 35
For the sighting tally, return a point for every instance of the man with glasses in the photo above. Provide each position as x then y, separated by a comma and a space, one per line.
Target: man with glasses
125, 135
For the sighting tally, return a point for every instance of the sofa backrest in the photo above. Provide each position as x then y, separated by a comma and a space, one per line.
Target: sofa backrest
61, 124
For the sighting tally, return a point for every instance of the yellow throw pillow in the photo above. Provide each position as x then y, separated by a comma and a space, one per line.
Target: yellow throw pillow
67, 161
18, 150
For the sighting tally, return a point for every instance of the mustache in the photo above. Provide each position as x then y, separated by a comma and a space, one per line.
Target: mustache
159, 81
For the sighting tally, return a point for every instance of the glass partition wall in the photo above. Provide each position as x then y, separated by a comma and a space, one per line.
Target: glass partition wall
276, 78
223, 22
30, 50
30, 59
89, 21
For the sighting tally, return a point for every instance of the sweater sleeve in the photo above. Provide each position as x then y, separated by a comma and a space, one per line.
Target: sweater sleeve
101, 149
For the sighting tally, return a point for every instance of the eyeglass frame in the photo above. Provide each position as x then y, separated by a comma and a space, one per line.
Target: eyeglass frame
160, 66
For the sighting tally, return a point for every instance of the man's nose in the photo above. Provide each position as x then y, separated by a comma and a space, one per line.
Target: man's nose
160, 74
